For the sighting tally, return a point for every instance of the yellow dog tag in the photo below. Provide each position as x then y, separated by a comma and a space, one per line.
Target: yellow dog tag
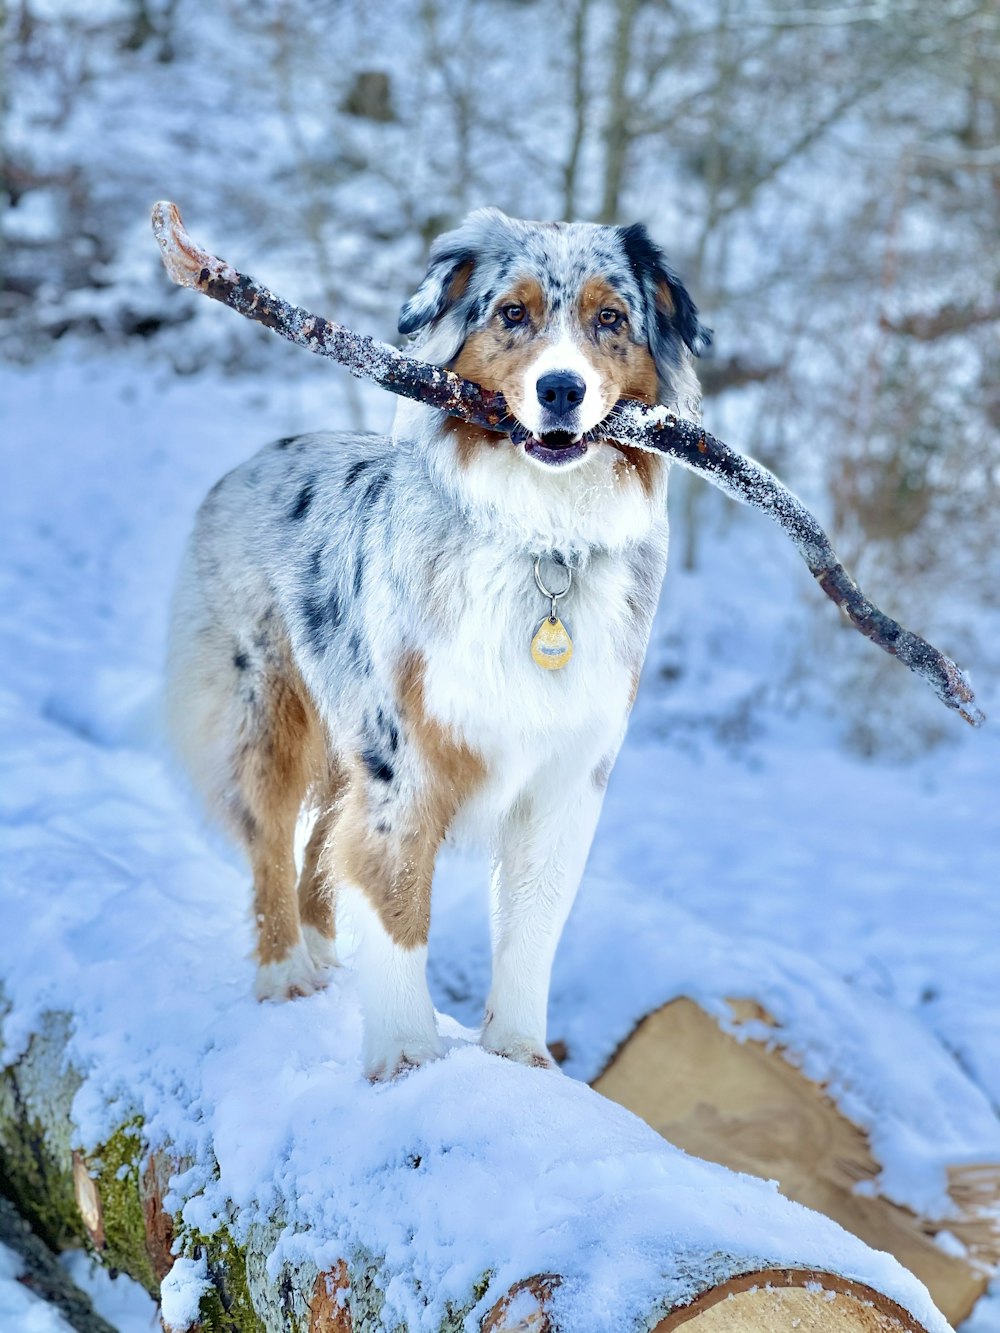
551, 647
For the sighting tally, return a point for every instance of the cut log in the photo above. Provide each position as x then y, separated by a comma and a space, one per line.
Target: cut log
740, 1102
767, 1301
773, 1301
652, 1236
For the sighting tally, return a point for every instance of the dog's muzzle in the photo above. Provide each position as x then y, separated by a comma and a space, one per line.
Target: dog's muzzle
558, 440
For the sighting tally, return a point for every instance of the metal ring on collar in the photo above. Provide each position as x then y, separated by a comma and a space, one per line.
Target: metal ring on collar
552, 596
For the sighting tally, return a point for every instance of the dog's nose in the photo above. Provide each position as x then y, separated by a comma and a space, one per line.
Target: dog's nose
561, 391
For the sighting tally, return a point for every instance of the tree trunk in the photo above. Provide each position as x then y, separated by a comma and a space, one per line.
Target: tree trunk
111, 1198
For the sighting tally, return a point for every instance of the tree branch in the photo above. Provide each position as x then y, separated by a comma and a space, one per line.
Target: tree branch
948, 319
651, 428
718, 375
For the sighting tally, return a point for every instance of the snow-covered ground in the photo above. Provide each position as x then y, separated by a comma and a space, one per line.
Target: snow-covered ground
20, 1308
120, 1301
758, 854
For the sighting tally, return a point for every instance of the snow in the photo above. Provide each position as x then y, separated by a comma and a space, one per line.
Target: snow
20, 1308
125, 1305
181, 1293
122, 1302
856, 901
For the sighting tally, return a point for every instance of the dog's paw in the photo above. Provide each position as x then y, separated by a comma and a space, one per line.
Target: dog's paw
292, 978
522, 1050
321, 949
397, 1058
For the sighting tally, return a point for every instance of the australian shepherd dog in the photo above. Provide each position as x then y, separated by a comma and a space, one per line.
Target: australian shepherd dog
440, 633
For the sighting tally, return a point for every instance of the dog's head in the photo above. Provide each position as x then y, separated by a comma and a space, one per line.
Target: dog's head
563, 318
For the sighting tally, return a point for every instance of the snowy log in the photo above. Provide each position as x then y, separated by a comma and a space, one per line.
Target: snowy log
651, 428
741, 1102
616, 1229
754, 1055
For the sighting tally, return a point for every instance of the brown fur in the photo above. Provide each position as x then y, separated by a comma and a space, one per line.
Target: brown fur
460, 280
274, 767
316, 891
394, 863
628, 366
285, 758
470, 439
496, 357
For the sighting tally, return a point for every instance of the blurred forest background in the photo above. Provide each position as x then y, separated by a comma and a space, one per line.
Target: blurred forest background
825, 176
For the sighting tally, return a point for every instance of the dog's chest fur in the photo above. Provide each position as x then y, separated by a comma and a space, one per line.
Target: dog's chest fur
366, 555
483, 684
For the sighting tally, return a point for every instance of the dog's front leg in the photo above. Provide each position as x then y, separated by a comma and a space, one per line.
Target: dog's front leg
400, 1031
381, 856
542, 850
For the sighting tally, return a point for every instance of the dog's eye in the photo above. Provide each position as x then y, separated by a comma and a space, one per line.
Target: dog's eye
609, 319
512, 314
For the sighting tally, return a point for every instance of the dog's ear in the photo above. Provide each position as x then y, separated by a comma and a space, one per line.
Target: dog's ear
670, 312
448, 272
456, 289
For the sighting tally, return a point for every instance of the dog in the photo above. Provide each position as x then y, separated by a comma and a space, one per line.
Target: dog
440, 633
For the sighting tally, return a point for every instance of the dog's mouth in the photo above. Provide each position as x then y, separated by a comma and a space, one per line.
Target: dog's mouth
555, 448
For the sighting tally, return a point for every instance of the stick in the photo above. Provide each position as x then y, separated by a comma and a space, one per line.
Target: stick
651, 428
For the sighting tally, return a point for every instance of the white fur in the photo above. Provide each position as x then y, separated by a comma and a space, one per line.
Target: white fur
322, 951
293, 976
521, 507
542, 849
400, 1027
563, 352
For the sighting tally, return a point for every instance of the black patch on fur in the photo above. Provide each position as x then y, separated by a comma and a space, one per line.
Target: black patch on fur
355, 471
302, 502
377, 765
359, 573
246, 822
650, 266
316, 563
314, 621
262, 636
240, 661
375, 489
388, 729
286, 441
320, 618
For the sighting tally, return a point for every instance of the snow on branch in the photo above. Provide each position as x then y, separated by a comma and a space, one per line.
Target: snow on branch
651, 428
